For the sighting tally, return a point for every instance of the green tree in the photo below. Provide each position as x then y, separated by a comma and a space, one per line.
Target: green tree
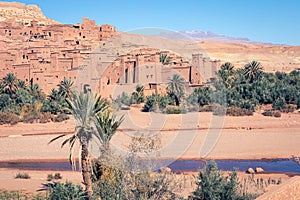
4, 102
176, 87
200, 96
253, 71
213, 185
22, 85
138, 95
10, 83
65, 87
84, 107
164, 59
227, 74
107, 124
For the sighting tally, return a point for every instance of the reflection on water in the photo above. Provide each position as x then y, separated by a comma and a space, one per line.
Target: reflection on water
280, 165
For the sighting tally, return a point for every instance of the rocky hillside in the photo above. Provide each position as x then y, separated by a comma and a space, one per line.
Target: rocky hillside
14, 11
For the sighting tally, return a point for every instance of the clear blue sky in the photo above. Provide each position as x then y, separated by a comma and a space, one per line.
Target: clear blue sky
275, 21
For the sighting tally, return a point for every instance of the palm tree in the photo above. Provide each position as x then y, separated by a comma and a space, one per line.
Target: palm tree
253, 71
22, 85
65, 87
138, 94
10, 83
226, 73
84, 108
107, 125
164, 59
176, 87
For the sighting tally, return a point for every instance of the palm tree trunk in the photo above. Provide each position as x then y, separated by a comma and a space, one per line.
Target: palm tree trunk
86, 170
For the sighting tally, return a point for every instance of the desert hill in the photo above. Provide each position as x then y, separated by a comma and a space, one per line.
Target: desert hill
272, 57
18, 12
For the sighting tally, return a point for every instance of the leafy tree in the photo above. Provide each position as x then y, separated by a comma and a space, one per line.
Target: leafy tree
10, 83
164, 59
253, 71
176, 87
84, 107
23, 97
55, 103
213, 185
156, 102
4, 102
200, 96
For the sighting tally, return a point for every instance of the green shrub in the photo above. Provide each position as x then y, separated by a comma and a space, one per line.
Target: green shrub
235, 111
8, 117
65, 191
279, 103
60, 117
212, 184
22, 175
173, 110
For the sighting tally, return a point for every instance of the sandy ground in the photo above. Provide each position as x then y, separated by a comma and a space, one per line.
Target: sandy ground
193, 135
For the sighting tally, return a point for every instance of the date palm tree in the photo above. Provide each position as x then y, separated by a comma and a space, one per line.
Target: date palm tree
164, 59
84, 108
227, 74
65, 87
107, 124
175, 87
10, 83
253, 71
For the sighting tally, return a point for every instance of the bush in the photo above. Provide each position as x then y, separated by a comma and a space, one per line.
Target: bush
22, 175
219, 110
30, 113
212, 184
272, 113
206, 108
235, 111
173, 110
288, 108
60, 117
8, 117
57, 176
45, 117
16, 195
65, 191
279, 103
50, 177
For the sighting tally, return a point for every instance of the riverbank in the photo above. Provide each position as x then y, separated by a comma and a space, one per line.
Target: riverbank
179, 136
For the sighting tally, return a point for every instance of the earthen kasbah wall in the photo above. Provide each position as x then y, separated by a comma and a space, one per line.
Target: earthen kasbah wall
45, 54
143, 66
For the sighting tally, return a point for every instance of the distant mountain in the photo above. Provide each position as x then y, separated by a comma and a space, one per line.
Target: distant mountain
200, 35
